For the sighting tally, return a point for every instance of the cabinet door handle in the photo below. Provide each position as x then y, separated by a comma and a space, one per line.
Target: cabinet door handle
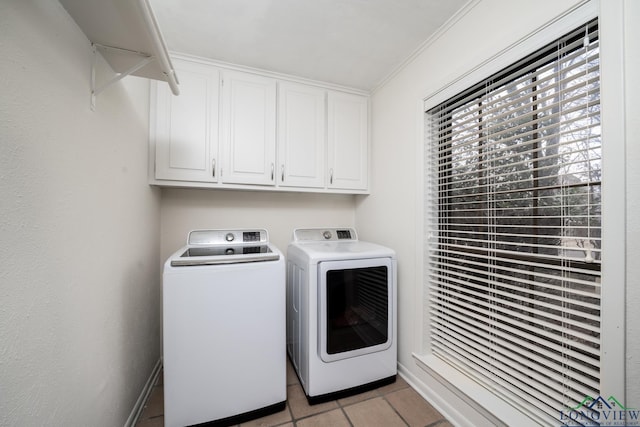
331, 176
272, 171
282, 173
213, 168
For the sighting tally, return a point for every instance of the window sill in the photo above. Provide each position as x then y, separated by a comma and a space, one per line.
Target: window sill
472, 392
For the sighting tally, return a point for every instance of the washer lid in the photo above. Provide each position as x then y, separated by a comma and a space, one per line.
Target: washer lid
214, 255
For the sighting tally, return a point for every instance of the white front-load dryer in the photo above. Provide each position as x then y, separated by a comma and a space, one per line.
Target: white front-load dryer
341, 312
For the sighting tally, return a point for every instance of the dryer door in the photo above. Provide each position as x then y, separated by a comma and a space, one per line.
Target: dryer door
355, 307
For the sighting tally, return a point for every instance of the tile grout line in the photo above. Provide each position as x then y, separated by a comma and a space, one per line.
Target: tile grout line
345, 415
341, 407
293, 420
384, 397
433, 424
380, 394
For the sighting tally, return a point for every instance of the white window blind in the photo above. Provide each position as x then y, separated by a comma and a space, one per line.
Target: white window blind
513, 220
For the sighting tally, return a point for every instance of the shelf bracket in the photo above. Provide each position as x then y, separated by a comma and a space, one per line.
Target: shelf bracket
145, 59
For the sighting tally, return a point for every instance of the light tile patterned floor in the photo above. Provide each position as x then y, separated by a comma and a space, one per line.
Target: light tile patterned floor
396, 404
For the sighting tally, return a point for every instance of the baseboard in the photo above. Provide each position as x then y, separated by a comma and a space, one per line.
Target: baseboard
450, 404
144, 395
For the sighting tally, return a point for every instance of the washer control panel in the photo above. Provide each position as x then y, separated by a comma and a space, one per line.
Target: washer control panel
224, 237
251, 236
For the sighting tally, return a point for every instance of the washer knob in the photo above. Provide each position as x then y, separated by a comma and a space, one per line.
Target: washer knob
326, 235
229, 237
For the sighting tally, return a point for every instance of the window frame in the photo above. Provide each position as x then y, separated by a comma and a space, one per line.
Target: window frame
612, 361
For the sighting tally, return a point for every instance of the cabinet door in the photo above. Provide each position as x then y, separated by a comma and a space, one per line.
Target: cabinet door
186, 126
249, 129
301, 135
348, 140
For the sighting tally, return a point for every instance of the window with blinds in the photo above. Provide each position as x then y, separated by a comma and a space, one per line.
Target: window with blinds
513, 195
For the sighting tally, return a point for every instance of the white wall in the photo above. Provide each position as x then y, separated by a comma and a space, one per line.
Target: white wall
482, 31
184, 210
79, 270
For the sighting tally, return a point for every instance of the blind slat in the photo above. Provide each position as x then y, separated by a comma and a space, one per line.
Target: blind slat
544, 112
501, 254
543, 277
522, 314
546, 360
541, 412
543, 339
533, 296
545, 377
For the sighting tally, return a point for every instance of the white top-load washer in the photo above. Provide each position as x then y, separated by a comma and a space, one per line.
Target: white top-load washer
341, 312
224, 328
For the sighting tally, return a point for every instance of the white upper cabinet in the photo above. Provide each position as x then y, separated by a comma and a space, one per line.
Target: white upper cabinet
237, 129
186, 126
249, 129
348, 136
301, 135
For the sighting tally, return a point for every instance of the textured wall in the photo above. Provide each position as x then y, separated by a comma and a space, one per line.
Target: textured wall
79, 271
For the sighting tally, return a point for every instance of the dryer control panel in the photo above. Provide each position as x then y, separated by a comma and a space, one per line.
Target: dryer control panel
325, 234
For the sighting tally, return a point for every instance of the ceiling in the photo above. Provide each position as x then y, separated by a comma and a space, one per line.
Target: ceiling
354, 43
